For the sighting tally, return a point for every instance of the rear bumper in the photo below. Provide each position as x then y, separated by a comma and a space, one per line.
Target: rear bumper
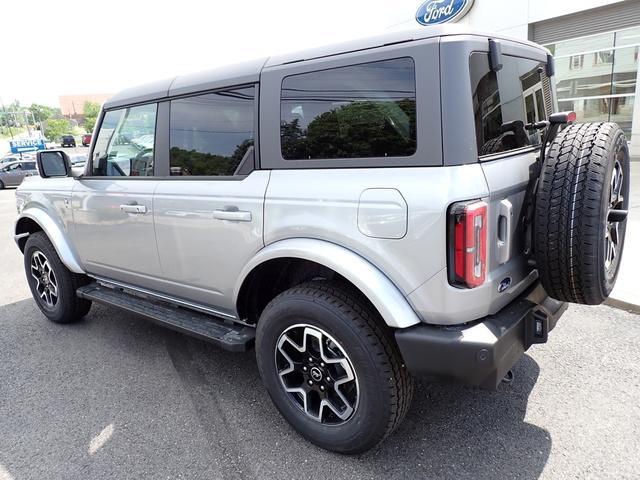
483, 352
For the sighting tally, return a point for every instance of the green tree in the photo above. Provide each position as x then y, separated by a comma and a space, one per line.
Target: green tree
56, 127
91, 111
14, 106
42, 113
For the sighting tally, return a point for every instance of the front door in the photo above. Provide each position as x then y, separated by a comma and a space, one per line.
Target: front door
209, 213
113, 204
13, 174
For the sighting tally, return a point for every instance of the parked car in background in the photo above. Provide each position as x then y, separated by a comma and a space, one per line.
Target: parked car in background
78, 162
50, 145
13, 157
78, 159
68, 141
12, 174
86, 140
17, 157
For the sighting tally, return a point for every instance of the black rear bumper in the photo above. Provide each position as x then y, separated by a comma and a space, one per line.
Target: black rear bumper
483, 352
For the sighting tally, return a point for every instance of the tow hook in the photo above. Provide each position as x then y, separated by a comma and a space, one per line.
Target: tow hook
508, 378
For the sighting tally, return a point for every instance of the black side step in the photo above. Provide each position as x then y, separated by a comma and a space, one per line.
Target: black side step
224, 333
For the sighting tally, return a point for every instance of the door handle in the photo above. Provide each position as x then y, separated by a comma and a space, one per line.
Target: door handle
233, 215
505, 217
138, 209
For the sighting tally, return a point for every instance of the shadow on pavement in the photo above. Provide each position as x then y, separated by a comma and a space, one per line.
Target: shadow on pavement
451, 431
177, 406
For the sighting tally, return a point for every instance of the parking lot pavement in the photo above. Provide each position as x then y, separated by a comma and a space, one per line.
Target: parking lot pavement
117, 397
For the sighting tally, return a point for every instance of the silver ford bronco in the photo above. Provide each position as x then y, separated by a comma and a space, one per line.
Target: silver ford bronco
405, 205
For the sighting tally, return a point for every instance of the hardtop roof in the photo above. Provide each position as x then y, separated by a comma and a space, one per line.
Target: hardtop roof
249, 71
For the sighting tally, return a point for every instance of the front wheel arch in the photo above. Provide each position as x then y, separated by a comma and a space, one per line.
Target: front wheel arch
34, 220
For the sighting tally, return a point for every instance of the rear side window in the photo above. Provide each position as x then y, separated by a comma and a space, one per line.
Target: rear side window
507, 101
212, 134
359, 111
125, 143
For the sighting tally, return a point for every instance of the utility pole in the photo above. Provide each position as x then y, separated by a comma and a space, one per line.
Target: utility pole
5, 116
26, 120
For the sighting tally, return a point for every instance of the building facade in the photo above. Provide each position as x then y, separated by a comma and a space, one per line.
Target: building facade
596, 44
73, 105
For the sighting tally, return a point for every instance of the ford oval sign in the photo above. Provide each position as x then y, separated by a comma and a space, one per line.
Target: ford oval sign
433, 12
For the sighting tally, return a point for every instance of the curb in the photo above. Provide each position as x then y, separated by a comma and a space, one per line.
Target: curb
622, 305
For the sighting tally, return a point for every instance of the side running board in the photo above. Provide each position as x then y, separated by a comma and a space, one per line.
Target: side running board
224, 333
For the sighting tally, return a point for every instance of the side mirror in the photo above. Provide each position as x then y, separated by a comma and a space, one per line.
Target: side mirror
53, 163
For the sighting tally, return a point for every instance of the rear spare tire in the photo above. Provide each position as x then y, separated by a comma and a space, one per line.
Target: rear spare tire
580, 214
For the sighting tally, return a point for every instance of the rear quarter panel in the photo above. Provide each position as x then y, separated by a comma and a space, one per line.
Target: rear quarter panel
323, 204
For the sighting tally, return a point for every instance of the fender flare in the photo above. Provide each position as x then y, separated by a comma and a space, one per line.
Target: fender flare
53, 230
381, 292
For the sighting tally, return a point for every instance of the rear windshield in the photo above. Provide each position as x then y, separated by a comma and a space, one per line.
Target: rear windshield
507, 101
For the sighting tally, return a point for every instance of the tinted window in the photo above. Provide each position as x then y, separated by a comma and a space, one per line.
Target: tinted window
505, 102
211, 134
29, 165
125, 143
360, 111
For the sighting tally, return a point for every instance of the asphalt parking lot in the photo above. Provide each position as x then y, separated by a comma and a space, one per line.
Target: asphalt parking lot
117, 397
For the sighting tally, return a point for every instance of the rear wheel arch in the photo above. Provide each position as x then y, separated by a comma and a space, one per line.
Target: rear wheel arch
274, 276
288, 263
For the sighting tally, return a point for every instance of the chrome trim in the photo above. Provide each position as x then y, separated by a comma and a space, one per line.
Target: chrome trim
20, 236
167, 298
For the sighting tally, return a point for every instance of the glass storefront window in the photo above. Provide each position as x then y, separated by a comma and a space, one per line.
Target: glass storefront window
588, 44
622, 113
611, 109
630, 36
588, 110
593, 78
596, 76
625, 70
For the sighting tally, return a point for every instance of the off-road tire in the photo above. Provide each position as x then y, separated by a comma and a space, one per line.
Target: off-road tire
385, 386
572, 204
69, 307
493, 146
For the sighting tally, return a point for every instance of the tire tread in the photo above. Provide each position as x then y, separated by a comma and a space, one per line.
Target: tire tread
378, 336
568, 211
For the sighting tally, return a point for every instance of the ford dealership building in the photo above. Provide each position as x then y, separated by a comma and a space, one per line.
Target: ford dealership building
596, 44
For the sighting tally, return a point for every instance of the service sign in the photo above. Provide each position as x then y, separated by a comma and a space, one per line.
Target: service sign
434, 12
26, 145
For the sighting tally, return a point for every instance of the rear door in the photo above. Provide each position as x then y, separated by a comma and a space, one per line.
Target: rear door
113, 204
209, 211
505, 102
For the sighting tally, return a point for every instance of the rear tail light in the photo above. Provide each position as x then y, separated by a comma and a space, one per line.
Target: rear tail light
468, 244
